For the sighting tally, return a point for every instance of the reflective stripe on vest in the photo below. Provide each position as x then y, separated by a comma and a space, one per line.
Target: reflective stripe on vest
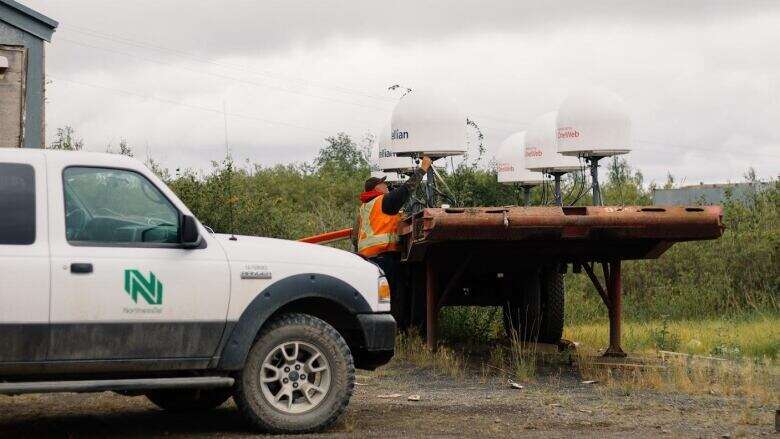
378, 231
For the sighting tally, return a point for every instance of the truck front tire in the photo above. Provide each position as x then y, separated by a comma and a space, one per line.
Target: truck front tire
299, 376
182, 400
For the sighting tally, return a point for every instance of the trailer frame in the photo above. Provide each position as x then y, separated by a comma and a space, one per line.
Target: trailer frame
443, 249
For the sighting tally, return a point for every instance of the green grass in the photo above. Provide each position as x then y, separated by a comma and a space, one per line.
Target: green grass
755, 337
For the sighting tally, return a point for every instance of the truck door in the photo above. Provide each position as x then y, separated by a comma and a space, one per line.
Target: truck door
123, 288
24, 258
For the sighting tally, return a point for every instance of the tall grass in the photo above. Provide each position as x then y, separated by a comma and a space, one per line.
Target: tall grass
757, 380
410, 348
756, 337
470, 324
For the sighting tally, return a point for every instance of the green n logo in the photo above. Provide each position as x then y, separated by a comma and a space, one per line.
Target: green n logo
151, 290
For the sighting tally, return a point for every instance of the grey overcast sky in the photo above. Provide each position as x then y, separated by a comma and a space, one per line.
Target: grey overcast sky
701, 78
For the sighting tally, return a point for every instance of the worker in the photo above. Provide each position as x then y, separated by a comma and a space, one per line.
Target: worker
375, 235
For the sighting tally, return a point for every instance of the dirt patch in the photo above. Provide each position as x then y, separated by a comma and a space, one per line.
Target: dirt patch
556, 404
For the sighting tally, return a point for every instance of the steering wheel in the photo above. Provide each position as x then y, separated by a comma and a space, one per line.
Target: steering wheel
158, 225
152, 221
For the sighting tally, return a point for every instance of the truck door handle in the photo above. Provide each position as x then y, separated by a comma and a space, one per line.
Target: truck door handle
81, 267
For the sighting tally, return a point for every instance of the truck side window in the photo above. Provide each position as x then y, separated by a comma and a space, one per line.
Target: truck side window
17, 204
104, 205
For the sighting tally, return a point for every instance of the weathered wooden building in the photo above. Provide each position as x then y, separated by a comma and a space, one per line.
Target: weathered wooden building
23, 32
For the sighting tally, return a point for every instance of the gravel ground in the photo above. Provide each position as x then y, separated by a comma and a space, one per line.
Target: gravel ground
556, 405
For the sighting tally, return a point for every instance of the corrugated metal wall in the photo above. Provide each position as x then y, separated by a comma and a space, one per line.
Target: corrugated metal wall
707, 193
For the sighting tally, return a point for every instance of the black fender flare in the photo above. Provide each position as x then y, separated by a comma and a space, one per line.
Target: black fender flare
277, 295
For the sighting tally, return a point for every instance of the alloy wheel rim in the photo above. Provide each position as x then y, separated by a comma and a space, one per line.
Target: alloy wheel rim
295, 377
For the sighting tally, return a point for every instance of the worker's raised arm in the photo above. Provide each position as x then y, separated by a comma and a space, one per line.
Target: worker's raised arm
395, 199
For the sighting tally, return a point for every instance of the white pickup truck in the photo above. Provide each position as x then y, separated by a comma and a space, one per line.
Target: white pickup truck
108, 282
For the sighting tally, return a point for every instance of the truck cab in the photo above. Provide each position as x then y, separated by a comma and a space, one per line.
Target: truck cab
108, 282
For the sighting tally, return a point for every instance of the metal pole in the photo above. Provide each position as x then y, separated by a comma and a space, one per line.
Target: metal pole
558, 196
614, 289
594, 176
527, 195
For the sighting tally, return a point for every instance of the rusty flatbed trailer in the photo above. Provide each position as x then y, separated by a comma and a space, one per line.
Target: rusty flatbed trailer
515, 257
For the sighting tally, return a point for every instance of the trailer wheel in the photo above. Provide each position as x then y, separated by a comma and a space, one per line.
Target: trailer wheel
298, 378
183, 400
552, 306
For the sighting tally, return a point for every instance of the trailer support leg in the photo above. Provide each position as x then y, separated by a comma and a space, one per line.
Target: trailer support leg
614, 289
431, 305
612, 298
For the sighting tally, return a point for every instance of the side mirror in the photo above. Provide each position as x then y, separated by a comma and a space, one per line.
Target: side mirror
190, 238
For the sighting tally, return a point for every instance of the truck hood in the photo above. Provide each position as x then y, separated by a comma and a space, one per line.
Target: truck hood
250, 248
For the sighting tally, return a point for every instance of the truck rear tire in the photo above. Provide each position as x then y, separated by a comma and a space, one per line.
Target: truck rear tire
535, 310
522, 308
298, 378
183, 400
552, 292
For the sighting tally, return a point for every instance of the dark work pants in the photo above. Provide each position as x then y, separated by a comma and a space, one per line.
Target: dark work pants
390, 263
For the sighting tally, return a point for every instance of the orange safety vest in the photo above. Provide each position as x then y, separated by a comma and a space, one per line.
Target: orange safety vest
378, 231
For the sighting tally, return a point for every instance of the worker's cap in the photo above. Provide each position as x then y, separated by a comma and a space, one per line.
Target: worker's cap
372, 182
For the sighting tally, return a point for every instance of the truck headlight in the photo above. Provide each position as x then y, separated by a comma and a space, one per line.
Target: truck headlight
383, 290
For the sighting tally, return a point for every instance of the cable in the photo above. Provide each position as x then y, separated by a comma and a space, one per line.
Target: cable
581, 194
195, 57
543, 198
571, 189
446, 186
191, 56
221, 76
195, 107
581, 182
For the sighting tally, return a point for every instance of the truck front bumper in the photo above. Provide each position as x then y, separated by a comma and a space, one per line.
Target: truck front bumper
378, 340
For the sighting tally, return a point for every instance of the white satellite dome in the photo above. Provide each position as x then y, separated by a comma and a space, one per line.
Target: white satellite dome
425, 123
541, 147
511, 162
375, 164
373, 161
593, 122
389, 162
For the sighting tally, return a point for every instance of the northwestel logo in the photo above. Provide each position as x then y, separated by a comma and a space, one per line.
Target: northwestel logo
568, 133
151, 290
